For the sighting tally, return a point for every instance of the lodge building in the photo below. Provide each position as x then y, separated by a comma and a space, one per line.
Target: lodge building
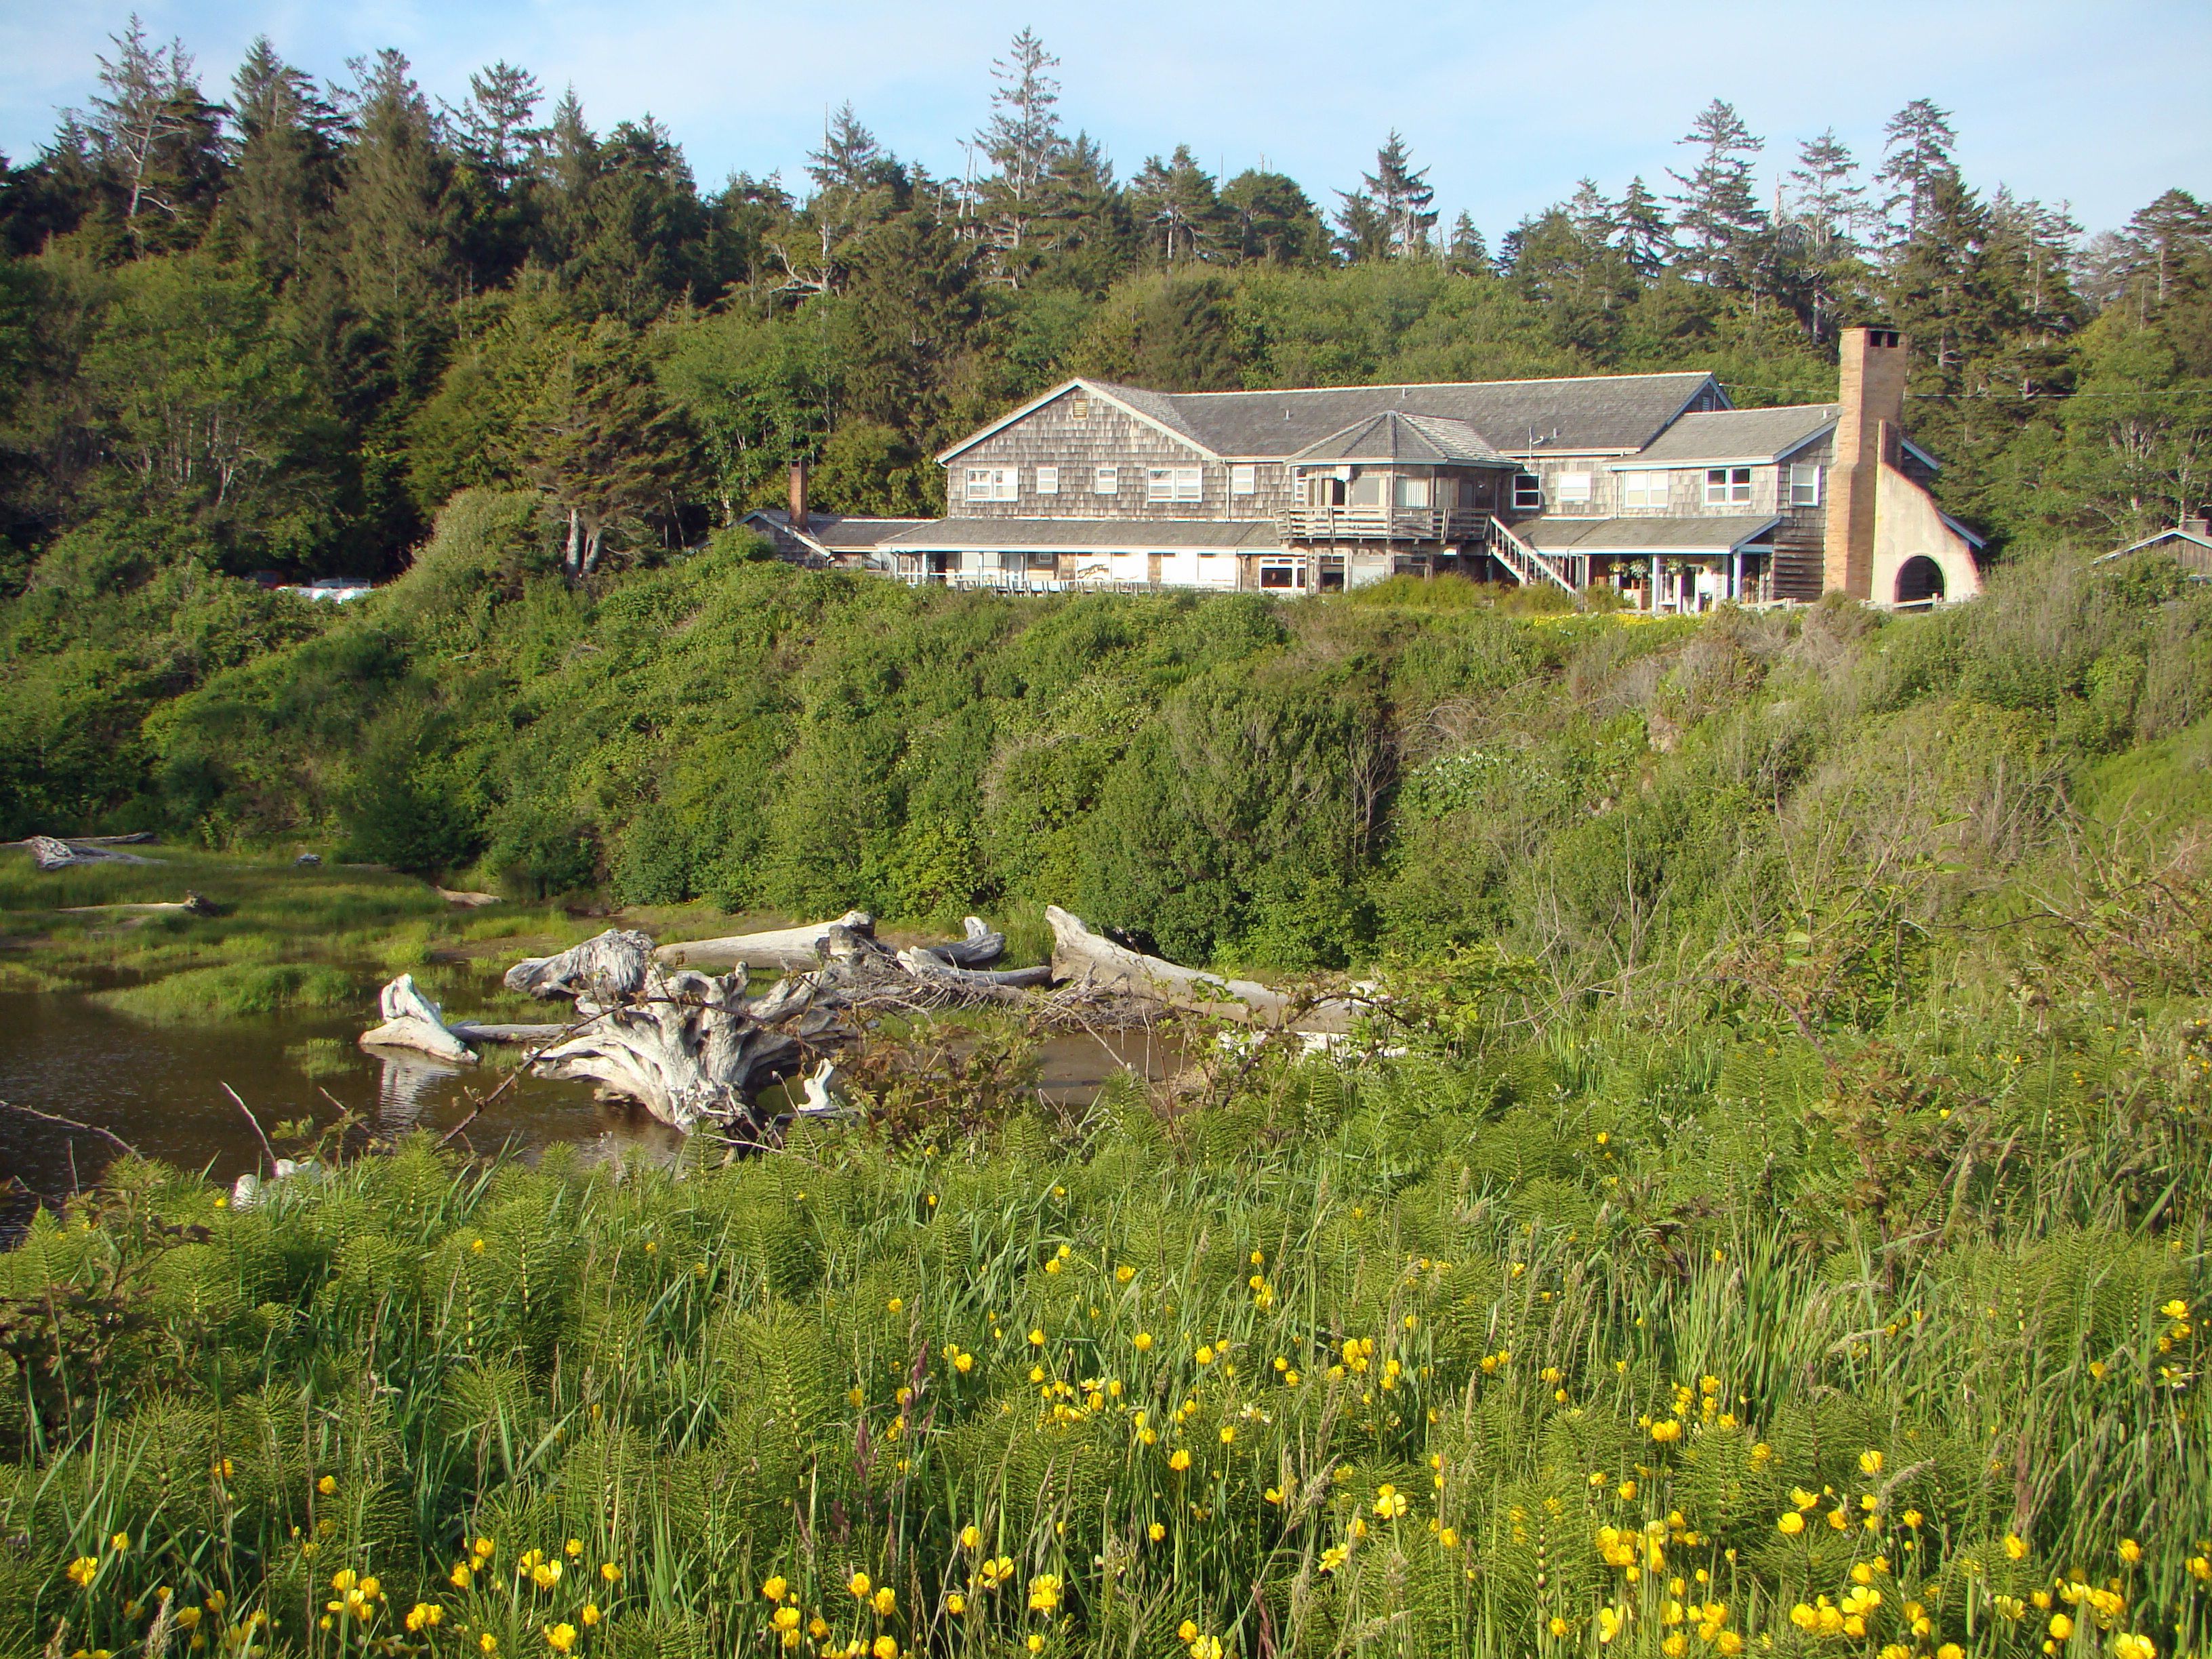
1654, 485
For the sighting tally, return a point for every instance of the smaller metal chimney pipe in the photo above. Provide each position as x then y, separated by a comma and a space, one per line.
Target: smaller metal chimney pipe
799, 496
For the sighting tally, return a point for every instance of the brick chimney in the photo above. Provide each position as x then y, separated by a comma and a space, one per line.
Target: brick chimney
799, 496
1868, 430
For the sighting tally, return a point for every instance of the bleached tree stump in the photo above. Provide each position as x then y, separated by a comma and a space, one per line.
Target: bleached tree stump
411, 1020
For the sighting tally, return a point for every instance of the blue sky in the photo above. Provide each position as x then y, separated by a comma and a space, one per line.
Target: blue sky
2100, 104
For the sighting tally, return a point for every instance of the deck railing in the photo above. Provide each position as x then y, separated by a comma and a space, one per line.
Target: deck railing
1382, 524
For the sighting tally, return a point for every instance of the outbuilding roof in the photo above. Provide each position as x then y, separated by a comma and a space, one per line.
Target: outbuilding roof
827, 534
1745, 436
1419, 439
1721, 533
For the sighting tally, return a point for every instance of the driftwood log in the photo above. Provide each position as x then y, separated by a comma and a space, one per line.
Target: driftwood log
1080, 955
695, 1049
411, 1020
782, 947
196, 904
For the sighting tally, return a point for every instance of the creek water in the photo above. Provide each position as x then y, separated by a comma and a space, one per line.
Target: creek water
161, 1088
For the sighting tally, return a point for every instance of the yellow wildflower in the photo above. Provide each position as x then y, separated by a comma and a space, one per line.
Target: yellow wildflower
82, 1570
1044, 1592
886, 1603
561, 1636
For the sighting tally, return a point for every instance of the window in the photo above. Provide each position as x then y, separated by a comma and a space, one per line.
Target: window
1412, 492
993, 484
1079, 410
1048, 481
1173, 484
1286, 574
1728, 486
1804, 485
1644, 489
1244, 480
1367, 490
1528, 492
1189, 483
1572, 486
1106, 481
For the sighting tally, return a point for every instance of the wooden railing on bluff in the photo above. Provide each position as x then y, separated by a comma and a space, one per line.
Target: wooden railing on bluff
1382, 524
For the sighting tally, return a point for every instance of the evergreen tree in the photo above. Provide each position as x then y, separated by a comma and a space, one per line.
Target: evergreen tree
1082, 218
1468, 253
1022, 138
1400, 196
1719, 208
1916, 141
857, 185
1641, 232
1276, 222
1591, 215
390, 227
493, 196
1363, 230
1175, 203
287, 161
156, 140
1827, 209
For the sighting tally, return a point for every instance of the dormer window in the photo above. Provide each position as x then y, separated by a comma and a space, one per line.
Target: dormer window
1728, 486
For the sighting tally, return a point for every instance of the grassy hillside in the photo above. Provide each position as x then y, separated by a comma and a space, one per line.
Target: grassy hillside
1290, 787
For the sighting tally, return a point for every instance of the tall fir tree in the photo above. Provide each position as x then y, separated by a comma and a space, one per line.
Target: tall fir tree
1022, 139
1827, 208
285, 170
1642, 232
1719, 207
1916, 145
157, 141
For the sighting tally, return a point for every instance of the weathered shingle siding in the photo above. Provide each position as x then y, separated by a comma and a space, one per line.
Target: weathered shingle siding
1107, 437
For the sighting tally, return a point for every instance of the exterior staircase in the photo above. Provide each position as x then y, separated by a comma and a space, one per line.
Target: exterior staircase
1524, 562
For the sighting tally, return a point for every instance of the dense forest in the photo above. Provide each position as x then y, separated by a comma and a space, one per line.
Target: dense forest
535, 374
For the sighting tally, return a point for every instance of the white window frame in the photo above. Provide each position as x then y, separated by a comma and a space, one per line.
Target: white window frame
1174, 483
1575, 488
994, 483
1403, 491
1159, 483
1528, 492
1805, 482
1646, 489
1728, 486
1106, 481
1189, 483
1243, 479
1048, 481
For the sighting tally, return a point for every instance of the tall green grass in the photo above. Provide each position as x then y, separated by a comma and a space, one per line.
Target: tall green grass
1613, 1339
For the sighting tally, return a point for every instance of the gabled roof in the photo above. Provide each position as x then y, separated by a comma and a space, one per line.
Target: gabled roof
1082, 535
1719, 533
1743, 437
1578, 415
2178, 533
827, 535
1421, 440
1590, 414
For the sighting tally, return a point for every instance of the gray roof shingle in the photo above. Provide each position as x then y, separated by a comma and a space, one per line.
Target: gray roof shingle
1721, 533
1595, 413
1734, 434
1421, 440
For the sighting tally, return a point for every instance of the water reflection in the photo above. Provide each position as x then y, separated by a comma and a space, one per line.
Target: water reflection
409, 1082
